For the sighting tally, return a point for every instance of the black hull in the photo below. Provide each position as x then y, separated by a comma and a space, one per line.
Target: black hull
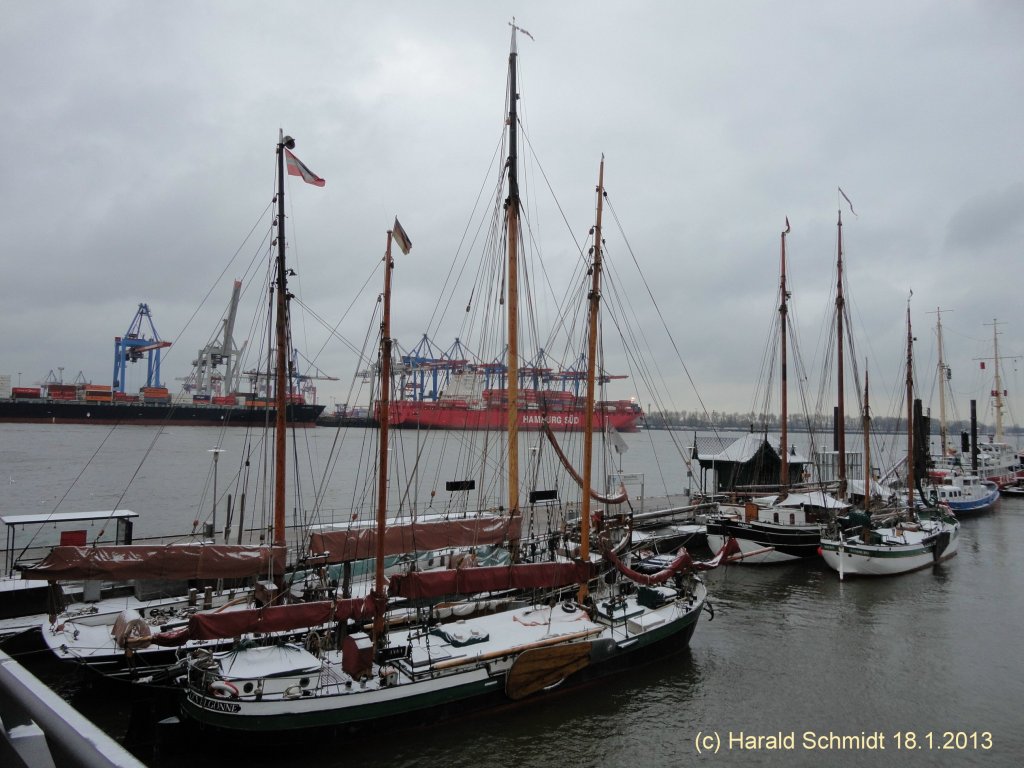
159, 414
496, 700
792, 541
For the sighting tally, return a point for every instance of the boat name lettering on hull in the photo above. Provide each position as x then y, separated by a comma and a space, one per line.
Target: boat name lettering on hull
551, 419
216, 706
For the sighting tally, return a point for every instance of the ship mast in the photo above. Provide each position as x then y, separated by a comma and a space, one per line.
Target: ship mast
280, 384
943, 432
384, 409
594, 300
997, 393
840, 424
512, 225
910, 413
867, 444
784, 404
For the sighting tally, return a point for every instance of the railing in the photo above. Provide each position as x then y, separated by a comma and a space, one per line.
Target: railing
39, 729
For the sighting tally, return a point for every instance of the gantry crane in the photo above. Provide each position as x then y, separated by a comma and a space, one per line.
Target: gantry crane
134, 345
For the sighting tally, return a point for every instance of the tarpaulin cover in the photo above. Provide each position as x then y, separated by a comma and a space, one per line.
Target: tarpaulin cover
158, 561
277, 618
467, 581
425, 536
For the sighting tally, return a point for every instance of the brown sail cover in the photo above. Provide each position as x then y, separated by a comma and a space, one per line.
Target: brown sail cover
467, 581
361, 543
277, 618
158, 561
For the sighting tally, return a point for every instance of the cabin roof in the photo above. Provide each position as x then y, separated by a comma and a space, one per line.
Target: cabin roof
741, 449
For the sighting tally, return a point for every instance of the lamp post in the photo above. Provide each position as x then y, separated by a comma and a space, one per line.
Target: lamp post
216, 451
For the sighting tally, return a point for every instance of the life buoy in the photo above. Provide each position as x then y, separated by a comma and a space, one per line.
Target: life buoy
222, 689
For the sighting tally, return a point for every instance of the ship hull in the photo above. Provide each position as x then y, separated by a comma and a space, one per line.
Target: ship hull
785, 543
199, 415
432, 415
434, 697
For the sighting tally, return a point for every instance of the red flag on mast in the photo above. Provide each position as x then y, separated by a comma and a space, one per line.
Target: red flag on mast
297, 168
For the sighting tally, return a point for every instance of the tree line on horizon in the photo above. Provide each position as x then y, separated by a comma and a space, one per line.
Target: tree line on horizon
771, 423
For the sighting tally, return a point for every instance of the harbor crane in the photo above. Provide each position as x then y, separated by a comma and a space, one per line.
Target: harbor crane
134, 345
205, 380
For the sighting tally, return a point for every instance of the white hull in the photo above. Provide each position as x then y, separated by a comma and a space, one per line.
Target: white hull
894, 552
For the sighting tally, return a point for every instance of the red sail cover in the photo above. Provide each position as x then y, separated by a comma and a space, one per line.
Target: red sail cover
467, 581
683, 563
158, 561
277, 618
361, 543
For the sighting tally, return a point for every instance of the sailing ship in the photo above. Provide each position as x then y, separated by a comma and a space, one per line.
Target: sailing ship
899, 543
787, 526
242, 574
367, 670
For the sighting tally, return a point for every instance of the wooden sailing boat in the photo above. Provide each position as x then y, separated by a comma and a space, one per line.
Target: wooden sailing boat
422, 671
118, 636
787, 526
902, 542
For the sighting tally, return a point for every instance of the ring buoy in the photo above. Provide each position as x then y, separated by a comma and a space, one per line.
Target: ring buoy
222, 689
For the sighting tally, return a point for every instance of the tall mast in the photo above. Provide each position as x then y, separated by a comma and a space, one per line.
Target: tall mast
867, 444
280, 379
594, 300
840, 408
384, 409
784, 403
943, 432
512, 223
910, 412
997, 393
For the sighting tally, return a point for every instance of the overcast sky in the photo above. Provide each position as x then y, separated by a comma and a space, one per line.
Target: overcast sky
140, 140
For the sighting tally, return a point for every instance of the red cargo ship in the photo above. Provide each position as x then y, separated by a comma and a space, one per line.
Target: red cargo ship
561, 410
453, 389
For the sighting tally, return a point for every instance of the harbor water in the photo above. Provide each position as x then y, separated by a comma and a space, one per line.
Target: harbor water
795, 668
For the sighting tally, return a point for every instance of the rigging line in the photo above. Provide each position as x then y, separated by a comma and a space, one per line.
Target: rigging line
223, 272
349, 308
462, 241
334, 454
332, 333
558, 205
657, 308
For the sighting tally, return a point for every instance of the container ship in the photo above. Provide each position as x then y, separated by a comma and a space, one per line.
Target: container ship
97, 404
452, 390
214, 371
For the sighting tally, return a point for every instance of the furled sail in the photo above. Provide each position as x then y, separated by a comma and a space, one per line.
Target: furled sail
467, 581
163, 561
424, 536
277, 618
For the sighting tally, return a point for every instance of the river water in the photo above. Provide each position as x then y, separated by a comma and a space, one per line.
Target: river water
796, 668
